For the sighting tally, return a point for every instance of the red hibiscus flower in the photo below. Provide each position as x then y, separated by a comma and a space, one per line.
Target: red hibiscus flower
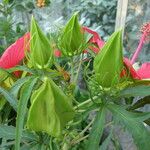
14, 54
95, 39
144, 71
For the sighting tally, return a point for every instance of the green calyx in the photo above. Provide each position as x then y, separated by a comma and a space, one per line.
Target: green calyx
108, 64
50, 109
72, 40
41, 53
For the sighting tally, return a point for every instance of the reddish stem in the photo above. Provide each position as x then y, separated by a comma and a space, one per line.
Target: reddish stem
139, 48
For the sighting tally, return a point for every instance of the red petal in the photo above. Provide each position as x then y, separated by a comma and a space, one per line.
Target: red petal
132, 71
144, 71
95, 34
94, 49
95, 39
15, 53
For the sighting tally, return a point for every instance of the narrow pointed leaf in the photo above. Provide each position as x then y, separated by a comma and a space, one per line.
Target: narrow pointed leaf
9, 97
22, 68
140, 103
17, 85
8, 132
106, 142
141, 90
97, 130
22, 107
133, 123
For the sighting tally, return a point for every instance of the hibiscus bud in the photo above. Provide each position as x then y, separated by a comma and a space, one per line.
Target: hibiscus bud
41, 55
108, 64
72, 40
50, 109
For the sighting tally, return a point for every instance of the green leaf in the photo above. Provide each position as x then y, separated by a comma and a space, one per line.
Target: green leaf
8, 132
22, 107
140, 103
133, 123
4, 74
41, 55
9, 97
13, 92
18, 84
142, 90
22, 68
50, 109
109, 61
72, 41
2, 103
106, 142
34, 146
97, 130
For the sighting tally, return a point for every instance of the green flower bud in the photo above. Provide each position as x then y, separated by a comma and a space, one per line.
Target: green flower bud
108, 64
50, 109
41, 55
72, 40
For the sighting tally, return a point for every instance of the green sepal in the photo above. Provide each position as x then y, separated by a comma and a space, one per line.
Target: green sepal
50, 109
72, 40
41, 54
108, 64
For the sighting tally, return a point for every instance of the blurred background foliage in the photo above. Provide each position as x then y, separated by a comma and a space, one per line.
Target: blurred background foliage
99, 15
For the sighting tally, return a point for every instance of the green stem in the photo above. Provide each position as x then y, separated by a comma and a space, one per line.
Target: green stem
79, 140
108, 124
79, 67
72, 71
85, 102
83, 131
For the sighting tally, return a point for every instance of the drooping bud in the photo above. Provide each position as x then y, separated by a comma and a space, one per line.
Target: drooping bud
72, 40
50, 109
41, 55
109, 61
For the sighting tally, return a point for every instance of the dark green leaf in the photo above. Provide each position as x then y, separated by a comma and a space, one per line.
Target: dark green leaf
22, 68
2, 103
106, 142
9, 97
140, 103
8, 132
133, 123
97, 130
143, 90
4, 74
17, 85
22, 107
